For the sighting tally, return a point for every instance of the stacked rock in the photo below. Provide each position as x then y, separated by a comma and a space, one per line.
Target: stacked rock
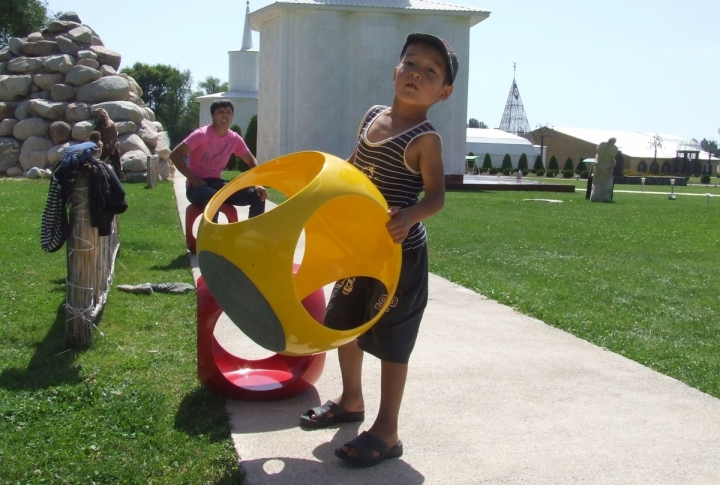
51, 84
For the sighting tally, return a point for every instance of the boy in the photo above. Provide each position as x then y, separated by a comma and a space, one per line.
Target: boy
396, 153
208, 149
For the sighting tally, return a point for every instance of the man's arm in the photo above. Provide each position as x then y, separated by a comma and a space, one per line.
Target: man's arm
427, 150
251, 162
177, 157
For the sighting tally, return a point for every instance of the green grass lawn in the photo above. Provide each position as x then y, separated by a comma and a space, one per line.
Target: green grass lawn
130, 409
638, 276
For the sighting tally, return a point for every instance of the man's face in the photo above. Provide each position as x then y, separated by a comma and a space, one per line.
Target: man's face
222, 118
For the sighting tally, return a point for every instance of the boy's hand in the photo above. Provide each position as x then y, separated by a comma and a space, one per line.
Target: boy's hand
260, 190
197, 182
399, 224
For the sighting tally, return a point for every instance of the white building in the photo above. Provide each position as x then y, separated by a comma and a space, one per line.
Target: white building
498, 143
242, 83
324, 63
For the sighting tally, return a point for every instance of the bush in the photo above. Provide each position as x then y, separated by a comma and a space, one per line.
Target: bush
524, 172
533, 170
251, 135
580, 167
493, 171
568, 165
705, 179
471, 154
236, 163
522, 163
507, 162
540, 172
584, 174
507, 171
487, 162
553, 165
567, 174
538, 163
551, 173
482, 169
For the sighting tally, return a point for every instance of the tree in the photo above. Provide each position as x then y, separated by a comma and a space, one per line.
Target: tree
212, 85
473, 123
18, 18
487, 162
656, 141
553, 165
507, 162
542, 133
710, 146
523, 163
568, 164
251, 135
538, 163
167, 91
581, 167
235, 162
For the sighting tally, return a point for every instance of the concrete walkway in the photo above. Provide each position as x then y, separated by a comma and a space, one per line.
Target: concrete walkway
493, 397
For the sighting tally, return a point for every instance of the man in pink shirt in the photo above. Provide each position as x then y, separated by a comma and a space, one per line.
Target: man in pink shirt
208, 150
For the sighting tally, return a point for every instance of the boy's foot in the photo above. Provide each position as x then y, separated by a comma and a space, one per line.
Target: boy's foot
329, 414
368, 450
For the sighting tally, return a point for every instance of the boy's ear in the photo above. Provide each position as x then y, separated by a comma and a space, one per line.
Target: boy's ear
447, 90
394, 75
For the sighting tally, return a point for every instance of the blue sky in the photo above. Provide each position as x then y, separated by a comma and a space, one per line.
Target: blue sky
635, 65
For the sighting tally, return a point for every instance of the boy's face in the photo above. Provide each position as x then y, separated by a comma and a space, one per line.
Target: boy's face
222, 118
420, 76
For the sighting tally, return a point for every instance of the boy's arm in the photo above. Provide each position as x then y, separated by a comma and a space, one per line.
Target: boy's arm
427, 150
176, 156
251, 162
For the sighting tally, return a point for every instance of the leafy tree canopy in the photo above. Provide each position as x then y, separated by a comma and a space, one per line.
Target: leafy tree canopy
473, 123
212, 85
168, 92
18, 18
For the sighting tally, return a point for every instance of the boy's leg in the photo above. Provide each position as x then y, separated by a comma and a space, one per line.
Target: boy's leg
392, 386
350, 357
200, 196
248, 196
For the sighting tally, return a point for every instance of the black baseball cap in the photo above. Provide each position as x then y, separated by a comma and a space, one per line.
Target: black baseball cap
443, 46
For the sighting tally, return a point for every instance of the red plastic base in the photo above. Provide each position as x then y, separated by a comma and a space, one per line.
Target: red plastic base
276, 377
193, 212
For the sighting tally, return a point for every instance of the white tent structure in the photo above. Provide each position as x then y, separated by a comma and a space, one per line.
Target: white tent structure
498, 143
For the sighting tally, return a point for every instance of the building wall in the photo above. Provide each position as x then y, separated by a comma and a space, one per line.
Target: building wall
563, 146
321, 70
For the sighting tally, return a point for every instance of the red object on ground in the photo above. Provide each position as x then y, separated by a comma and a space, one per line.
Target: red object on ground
276, 377
193, 212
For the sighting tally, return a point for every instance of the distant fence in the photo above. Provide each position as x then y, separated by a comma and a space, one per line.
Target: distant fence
90, 266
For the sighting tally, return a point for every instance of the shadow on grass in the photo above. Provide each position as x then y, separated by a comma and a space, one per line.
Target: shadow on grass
181, 262
49, 366
202, 413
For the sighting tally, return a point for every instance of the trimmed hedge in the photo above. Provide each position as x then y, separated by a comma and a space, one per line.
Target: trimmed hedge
568, 164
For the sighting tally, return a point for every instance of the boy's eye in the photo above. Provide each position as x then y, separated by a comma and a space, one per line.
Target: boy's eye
431, 70
408, 63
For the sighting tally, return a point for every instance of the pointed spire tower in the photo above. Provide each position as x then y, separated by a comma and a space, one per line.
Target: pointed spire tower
243, 81
514, 119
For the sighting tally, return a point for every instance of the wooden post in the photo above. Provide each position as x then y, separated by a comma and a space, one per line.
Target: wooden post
82, 247
153, 171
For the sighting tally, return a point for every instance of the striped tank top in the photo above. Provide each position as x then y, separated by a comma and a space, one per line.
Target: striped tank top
384, 164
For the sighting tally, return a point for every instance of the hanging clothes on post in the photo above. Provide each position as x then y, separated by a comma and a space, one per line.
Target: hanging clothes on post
107, 196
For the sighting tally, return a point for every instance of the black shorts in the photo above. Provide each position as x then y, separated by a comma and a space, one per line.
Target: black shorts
354, 301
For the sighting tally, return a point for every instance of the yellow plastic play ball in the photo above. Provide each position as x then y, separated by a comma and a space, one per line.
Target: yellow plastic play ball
248, 265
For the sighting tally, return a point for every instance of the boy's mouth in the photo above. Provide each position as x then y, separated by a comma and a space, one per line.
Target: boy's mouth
411, 86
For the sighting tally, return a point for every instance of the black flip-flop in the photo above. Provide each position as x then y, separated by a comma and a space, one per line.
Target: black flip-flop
366, 443
322, 420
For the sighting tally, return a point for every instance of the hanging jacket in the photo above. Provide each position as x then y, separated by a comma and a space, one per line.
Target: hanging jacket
106, 195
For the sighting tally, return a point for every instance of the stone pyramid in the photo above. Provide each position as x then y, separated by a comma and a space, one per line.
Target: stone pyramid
51, 84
